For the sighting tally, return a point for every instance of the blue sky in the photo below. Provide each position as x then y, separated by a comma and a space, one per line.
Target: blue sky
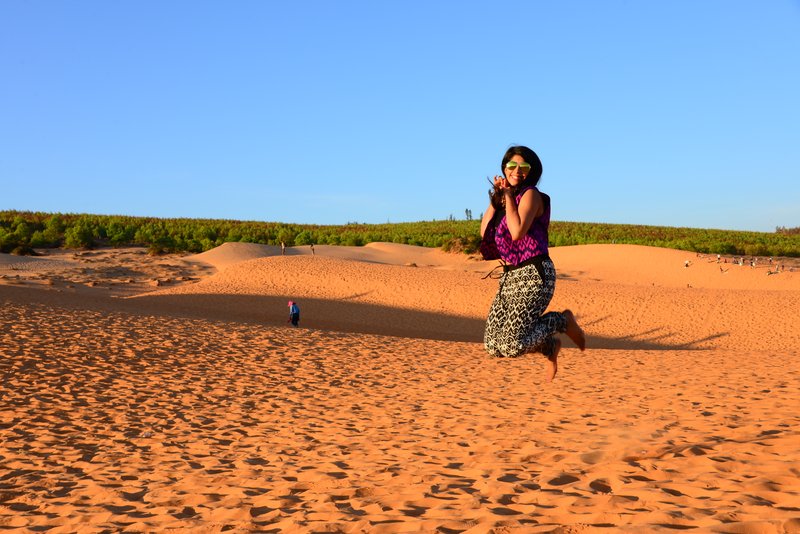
679, 113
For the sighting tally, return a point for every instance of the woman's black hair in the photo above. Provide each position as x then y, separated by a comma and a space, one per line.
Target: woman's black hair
531, 179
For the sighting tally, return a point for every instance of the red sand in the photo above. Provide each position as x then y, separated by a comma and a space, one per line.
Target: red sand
192, 405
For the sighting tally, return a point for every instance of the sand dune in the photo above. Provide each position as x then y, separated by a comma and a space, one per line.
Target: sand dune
649, 266
625, 264
386, 253
649, 301
193, 406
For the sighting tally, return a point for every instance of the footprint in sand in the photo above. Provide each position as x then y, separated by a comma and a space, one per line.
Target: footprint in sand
592, 458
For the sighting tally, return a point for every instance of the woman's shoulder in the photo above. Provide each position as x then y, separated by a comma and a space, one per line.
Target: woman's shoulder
539, 201
536, 192
530, 190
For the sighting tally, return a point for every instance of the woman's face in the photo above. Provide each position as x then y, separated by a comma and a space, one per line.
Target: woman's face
516, 172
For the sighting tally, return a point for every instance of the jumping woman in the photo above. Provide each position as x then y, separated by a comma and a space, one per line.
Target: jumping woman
515, 229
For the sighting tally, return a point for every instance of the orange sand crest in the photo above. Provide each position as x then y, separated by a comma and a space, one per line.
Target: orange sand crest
152, 394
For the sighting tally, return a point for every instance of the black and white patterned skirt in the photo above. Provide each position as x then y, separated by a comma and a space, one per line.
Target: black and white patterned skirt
517, 323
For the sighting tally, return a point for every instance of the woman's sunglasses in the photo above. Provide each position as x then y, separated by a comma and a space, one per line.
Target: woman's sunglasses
523, 167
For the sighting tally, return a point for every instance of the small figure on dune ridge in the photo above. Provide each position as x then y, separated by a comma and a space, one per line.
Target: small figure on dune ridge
515, 229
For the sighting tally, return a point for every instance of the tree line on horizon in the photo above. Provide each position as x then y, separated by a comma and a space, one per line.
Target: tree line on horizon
21, 232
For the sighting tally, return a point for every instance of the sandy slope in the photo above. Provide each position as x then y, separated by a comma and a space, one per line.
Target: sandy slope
627, 296
192, 406
386, 253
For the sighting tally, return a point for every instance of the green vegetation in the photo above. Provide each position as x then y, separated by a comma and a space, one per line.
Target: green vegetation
21, 232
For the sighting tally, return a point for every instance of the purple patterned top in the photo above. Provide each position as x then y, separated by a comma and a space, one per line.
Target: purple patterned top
534, 243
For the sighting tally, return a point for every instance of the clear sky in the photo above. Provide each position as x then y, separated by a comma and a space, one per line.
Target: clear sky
676, 113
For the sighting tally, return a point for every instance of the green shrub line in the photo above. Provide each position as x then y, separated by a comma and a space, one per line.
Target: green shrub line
21, 232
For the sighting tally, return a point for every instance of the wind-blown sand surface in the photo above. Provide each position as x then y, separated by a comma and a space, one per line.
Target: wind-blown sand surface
150, 394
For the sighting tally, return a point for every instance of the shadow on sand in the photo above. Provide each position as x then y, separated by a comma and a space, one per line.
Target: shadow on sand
339, 316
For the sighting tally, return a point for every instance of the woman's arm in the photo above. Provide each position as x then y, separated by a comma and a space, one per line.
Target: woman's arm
520, 218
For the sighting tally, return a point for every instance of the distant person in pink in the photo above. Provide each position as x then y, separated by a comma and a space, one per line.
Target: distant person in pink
515, 229
294, 313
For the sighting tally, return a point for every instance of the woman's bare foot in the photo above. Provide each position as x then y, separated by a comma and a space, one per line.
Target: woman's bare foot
551, 367
574, 331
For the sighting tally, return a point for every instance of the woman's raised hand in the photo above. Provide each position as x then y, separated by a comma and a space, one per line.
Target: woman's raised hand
500, 183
